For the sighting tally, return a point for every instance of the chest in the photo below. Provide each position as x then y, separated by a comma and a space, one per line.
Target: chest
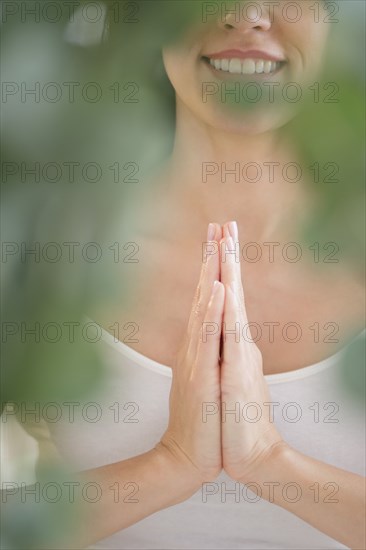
297, 315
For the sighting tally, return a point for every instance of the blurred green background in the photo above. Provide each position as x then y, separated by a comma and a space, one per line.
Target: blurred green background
133, 121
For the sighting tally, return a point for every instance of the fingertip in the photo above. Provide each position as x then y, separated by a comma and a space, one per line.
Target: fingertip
225, 230
216, 287
230, 293
214, 231
233, 229
221, 286
217, 231
211, 231
228, 288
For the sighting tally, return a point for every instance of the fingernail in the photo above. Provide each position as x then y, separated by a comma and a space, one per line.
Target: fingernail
211, 232
233, 228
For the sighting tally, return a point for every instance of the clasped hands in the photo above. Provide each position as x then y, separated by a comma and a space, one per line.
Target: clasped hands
217, 373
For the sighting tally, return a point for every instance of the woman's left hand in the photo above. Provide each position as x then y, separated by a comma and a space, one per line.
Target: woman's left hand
249, 437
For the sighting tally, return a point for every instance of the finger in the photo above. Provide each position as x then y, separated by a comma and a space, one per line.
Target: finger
209, 273
218, 232
231, 331
208, 348
231, 272
234, 232
230, 229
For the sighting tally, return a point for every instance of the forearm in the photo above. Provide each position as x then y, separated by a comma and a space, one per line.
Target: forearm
328, 498
130, 491
94, 504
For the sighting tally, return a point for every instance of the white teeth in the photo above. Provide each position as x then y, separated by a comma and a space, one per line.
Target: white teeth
259, 66
235, 66
246, 66
225, 63
267, 67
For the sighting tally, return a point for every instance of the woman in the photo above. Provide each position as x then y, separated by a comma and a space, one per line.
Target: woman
261, 447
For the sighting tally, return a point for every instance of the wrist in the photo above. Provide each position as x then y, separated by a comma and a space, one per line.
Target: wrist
274, 476
181, 475
269, 465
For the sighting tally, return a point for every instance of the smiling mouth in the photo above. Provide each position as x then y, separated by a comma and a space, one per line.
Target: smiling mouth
244, 66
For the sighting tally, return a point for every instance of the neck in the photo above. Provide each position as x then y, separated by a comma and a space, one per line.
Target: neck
221, 176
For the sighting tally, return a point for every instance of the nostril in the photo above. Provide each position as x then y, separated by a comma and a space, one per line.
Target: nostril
228, 26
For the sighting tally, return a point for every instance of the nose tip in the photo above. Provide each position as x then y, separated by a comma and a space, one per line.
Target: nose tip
244, 17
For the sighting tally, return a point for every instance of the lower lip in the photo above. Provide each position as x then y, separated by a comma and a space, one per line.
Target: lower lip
226, 74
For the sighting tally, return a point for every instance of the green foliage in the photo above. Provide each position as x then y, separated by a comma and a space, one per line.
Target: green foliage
82, 211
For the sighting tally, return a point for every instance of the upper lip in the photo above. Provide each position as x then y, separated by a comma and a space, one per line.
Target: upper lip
244, 54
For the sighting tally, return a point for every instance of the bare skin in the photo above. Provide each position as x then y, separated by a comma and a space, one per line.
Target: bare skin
170, 256
191, 452
169, 224
171, 212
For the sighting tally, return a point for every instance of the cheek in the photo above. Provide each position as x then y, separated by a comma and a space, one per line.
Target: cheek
320, 36
181, 70
310, 41
173, 59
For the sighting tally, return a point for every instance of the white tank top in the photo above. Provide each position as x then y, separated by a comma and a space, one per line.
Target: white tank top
316, 415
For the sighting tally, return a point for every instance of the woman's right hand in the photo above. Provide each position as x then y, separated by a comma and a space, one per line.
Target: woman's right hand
189, 452
193, 436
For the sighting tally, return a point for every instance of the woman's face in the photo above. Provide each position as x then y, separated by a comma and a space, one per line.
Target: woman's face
262, 56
